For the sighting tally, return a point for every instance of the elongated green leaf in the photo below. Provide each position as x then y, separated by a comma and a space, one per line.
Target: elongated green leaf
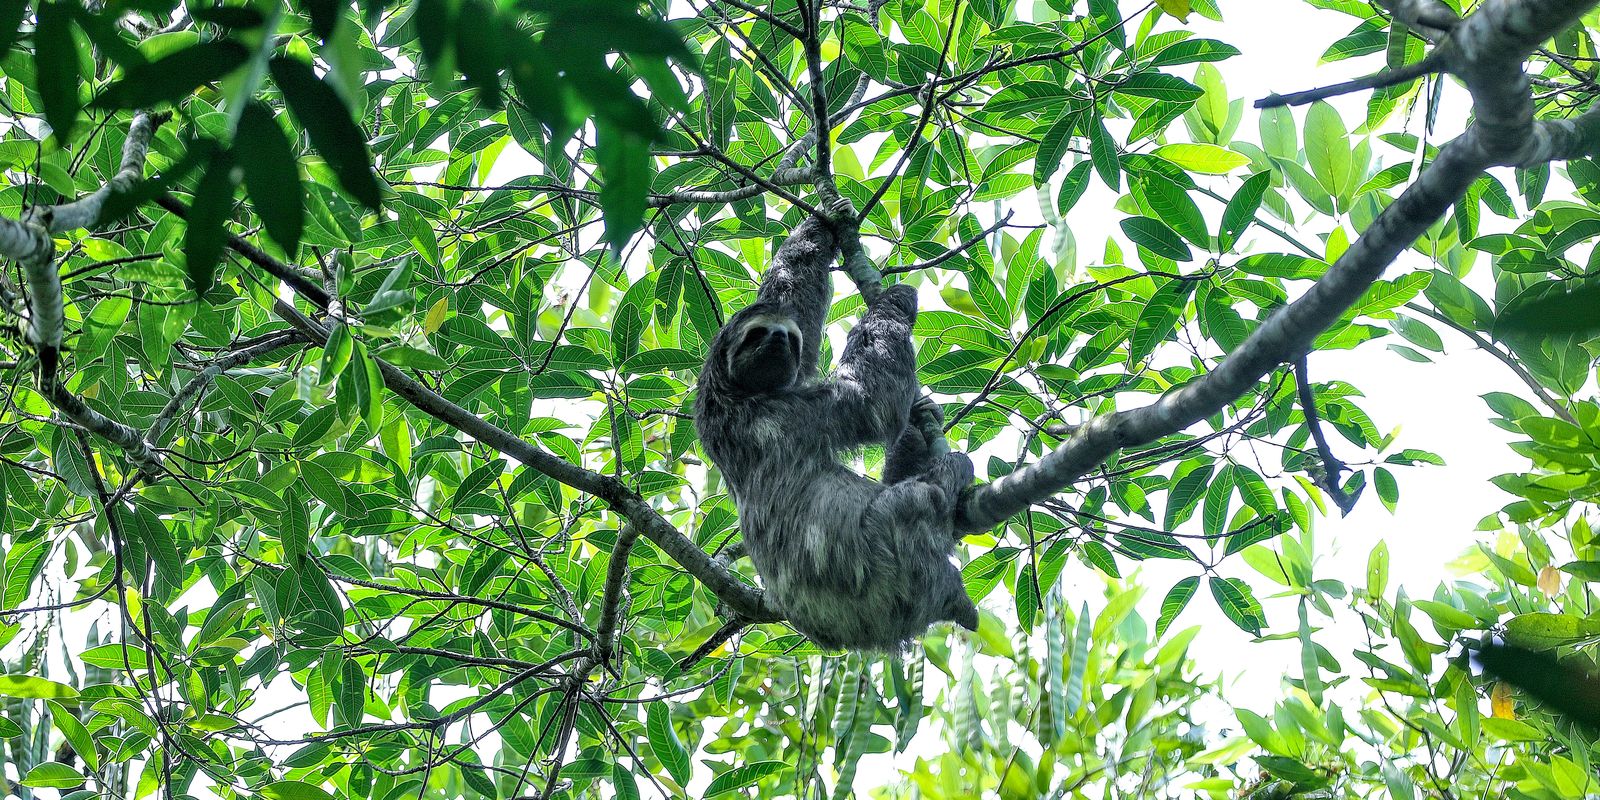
294, 790
1238, 604
1173, 206
1053, 145
174, 77
53, 775
1241, 210
1173, 604
271, 175
11, 12
1079, 666
207, 235
1159, 318
624, 159
1073, 187
480, 48
1159, 86
1555, 308
326, 119
1155, 236
745, 775
55, 57
664, 742
1206, 159
29, 687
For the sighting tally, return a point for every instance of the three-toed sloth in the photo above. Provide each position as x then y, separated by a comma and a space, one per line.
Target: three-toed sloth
855, 563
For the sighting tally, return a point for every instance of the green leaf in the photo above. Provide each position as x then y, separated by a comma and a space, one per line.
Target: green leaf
55, 57
1542, 631
207, 235
1173, 206
52, 775
152, 533
1378, 570
116, 656
352, 692
1072, 187
105, 319
665, 358
271, 175
1158, 318
1175, 601
326, 119
745, 775
1159, 86
412, 358
1206, 159
294, 790
1054, 145
1511, 730
624, 159
29, 687
480, 48
11, 13
1155, 236
1193, 50
664, 742
173, 77
1103, 152
1238, 604
1556, 308
1328, 148
1241, 210
1079, 665
538, 85
74, 732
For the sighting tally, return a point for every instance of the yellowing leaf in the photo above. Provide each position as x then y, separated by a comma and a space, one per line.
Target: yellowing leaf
1501, 706
1550, 581
435, 316
1177, 8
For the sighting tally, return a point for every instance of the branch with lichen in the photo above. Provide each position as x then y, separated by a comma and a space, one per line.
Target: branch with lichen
29, 240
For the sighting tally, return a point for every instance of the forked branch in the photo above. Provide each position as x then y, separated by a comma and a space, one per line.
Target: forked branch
1486, 51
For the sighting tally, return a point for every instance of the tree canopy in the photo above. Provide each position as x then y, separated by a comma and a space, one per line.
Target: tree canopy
345, 445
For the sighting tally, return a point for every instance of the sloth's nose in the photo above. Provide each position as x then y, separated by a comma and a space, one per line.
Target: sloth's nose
767, 337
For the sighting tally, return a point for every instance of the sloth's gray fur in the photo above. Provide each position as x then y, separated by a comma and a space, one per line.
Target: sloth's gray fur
855, 563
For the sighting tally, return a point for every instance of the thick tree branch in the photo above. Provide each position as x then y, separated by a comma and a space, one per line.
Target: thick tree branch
29, 242
1487, 53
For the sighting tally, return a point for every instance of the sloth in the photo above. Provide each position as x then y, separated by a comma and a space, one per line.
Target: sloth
855, 563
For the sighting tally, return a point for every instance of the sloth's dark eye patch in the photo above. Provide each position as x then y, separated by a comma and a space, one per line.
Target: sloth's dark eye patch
753, 336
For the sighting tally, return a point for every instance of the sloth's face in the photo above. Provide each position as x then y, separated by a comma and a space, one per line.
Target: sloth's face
766, 354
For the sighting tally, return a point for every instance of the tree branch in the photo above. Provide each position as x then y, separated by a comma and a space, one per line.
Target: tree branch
1377, 80
1487, 50
746, 600
1332, 467
28, 241
615, 593
219, 365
